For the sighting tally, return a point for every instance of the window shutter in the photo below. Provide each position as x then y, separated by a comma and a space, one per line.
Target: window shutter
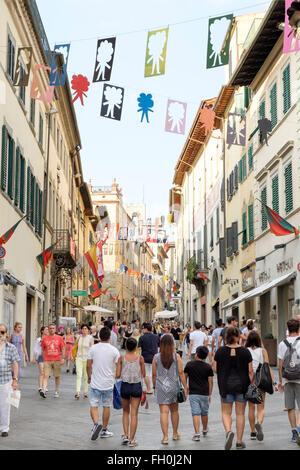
218, 223
273, 101
231, 182
263, 197
288, 188
211, 231
250, 222
236, 177
244, 217
222, 196
246, 97
229, 241
36, 208
32, 199
240, 171
28, 200
222, 252
4, 158
244, 166
250, 157
235, 239
11, 160
275, 199
286, 89
228, 189
262, 115
17, 177
22, 184
40, 212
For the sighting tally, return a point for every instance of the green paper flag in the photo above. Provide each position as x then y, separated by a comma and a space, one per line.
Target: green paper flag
219, 32
156, 52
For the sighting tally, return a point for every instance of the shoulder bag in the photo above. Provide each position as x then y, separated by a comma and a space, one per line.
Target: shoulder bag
180, 390
263, 378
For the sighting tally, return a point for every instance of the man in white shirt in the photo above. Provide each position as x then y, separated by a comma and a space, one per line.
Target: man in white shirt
101, 370
291, 387
197, 338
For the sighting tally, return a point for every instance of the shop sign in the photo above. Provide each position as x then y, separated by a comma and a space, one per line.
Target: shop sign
265, 276
248, 278
285, 265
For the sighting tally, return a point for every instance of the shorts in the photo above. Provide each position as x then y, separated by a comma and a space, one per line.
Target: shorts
40, 359
52, 365
148, 368
131, 390
199, 405
291, 395
231, 398
96, 396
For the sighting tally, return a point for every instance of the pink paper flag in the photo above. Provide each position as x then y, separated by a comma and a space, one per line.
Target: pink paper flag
176, 117
36, 93
291, 41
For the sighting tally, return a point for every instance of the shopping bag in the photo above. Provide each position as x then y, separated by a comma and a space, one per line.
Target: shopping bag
117, 402
14, 398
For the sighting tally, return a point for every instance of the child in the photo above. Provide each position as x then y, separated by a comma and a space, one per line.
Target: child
200, 377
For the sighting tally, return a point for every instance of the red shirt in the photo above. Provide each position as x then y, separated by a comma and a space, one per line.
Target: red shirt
52, 346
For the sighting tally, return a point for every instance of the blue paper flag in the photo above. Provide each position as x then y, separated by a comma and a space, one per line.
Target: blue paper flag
58, 73
145, 104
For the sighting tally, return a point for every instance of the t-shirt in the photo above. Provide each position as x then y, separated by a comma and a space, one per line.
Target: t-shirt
113, 338
216, 334
149, 344
282, 350
233, 371
104, 357
175, 332
198, 373
52, 346
198, 337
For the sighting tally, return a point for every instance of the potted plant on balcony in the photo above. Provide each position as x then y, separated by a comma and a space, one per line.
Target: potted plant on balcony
194, 273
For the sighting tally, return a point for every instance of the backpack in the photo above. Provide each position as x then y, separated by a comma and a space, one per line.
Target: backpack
291, 361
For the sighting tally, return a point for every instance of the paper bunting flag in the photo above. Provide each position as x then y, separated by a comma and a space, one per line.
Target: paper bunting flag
36, 93
123, 233
129, 272
145, 104
23, 66
81, 85
58, 72
104, 59
112, 102
291, 41
176, 117
138, 275
219, 32
121, 268
207, 119
156, 52
125, 269
236, 129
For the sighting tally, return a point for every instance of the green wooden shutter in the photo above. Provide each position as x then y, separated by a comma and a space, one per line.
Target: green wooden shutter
32, 199
28, 201
250, 222
17, 177
263, 197
36, 208
250, 157
262, 115
11, 164
40, 231
288, 177
244, 166
273, 101
275, 199
244, 239
240, 171
286, 89
4, 159
22, 184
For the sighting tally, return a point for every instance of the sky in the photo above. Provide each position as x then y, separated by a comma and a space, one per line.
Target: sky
139, 155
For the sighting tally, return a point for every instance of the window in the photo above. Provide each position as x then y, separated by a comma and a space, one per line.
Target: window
244, 219
212, 232
250, 158
218, 223
250, 222
286, 89
22, 88
11, 166
263, 197
273, 103
32, 112
10, 57
7, 162
41, 131
288, 178
242, 168
275, 199
17, 176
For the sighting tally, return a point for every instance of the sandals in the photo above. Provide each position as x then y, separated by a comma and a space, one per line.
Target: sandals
176, 438
165, 441
85, 395
77, 396
132, 443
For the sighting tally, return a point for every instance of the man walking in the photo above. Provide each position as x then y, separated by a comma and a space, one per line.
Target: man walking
9, 358
148, 346
53, 352
113, 337
197, 338
101, 370
232, 321
216, 335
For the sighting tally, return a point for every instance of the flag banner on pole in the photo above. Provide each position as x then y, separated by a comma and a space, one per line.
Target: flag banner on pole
80, 85
22, 72
236, 129
94, 258
176, 117
156, 52
4, 239
112, 102
58, 73
291, 37
95, 289
36, 93
219, 33
145, 104
278, 225
46, 256
104, 59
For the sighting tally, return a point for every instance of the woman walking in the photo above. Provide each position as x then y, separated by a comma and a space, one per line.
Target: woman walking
131, 369
84, 342
233, 365
18, 340
164, 377
37, 355
259, 356
69, 340
95, 334
186, 338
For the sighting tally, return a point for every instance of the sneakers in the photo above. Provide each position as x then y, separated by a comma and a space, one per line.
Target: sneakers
43, 394
260, 434
229, 439
96, 431
253, 436
205, 432
106, 433
240, 445
196, 437
56, 394
4, 434
296, 435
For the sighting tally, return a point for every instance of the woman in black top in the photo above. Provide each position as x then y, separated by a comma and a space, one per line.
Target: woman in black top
233, 365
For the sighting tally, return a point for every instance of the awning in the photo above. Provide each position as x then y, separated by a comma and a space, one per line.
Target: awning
261, 289
215, 302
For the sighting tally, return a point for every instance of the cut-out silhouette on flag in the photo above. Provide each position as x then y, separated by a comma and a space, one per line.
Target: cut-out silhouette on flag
176, 117
23, 66
112, 102
291, 37
145, 104
236, 129
265, 128
207, 119
81, 85
156, 52
219, 32
58, 72
104, 59
36, 93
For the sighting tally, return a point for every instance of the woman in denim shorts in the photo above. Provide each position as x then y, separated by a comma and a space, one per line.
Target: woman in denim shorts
233, 365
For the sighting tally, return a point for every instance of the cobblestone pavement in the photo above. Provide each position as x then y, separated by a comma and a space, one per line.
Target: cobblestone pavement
65, 423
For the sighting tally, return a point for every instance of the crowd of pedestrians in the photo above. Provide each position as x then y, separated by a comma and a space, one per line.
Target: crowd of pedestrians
130, 361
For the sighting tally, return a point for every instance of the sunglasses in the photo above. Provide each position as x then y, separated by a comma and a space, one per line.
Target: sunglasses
3, 332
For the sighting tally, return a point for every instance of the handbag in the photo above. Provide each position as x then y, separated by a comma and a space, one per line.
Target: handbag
117, 402
254, 395
74, 351
263, 378
180, 390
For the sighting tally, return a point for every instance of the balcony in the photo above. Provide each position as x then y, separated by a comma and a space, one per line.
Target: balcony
65, 249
